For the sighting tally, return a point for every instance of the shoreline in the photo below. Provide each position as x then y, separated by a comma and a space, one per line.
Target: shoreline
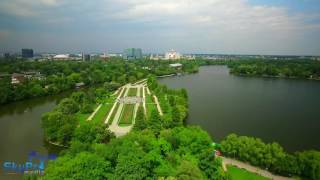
56, 144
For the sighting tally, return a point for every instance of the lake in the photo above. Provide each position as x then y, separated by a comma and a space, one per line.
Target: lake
21, 132
282, 110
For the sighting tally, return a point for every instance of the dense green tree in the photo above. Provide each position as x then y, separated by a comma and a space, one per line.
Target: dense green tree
93, 133
86, 108
83, 166
188, 171
154, 122
58, 127
5, 91
309, 162
79, 97
140, 121
211, 165
68, 106
176, 117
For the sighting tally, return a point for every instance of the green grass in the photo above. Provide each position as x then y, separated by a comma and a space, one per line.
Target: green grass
150, 108
113, 113
132, 92
242, 174
102, 114
84, 116
150, 104
149, 99
127, 114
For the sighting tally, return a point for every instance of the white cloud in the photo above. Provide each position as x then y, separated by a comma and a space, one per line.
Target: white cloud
232, 14
26, 8
206, 25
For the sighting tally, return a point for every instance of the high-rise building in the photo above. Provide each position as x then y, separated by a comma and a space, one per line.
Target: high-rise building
86, 57
27, 53
132, 53
6, 55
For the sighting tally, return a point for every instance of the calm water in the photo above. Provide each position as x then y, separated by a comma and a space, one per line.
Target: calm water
282, 110
20, 130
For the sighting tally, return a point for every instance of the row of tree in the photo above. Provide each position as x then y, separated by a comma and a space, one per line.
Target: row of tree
174, 103
272, 156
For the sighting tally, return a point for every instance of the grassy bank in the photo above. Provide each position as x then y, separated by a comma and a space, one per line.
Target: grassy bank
242, 174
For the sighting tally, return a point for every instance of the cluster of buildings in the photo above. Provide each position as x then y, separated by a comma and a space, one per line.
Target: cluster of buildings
17, 78
29, 54
136, 53
171, 55
127, 54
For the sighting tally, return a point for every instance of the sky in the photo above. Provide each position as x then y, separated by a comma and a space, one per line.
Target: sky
270, 27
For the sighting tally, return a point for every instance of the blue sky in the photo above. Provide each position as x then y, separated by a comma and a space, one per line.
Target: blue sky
286, 27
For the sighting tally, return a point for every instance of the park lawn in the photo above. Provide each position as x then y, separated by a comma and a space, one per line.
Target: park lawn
132, 92
127, 114
149, 99
84, 116
150, 104
111, 99
150, 108
113, 114
102, 114
242, 174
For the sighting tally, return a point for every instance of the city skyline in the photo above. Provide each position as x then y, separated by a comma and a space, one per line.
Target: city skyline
283, 27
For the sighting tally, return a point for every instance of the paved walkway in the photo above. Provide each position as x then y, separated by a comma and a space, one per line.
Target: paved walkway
148, 90
248, 167
158, 105
94, 113
114, 127
136, 105
144, 99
